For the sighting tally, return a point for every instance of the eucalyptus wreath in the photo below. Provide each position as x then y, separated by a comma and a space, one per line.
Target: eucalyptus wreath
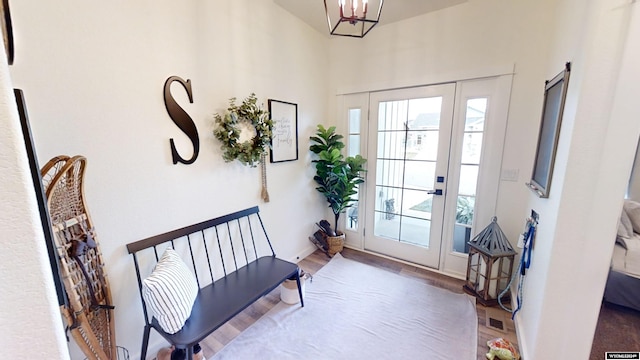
249, 152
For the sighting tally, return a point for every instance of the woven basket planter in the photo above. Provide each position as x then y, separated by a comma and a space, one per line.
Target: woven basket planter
336, 244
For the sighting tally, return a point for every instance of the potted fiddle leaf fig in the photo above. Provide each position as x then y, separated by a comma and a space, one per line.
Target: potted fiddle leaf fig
337, 177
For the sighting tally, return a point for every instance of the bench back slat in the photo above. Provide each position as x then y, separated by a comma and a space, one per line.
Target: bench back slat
206, 250
233, 250
224, 268
252, 238
265, 234
244, 248
192, 243
193, 260
144, 305
178, 233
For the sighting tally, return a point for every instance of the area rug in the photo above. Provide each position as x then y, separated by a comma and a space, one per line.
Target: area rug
356, 311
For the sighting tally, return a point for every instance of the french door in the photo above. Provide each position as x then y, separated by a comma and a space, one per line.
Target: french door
409, 135
433, 171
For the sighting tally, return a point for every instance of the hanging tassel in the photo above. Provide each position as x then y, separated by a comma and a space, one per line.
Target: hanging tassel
265, 193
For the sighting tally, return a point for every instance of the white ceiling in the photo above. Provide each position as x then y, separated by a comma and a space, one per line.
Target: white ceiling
312, 11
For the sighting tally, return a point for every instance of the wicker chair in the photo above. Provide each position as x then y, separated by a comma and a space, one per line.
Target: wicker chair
87, 310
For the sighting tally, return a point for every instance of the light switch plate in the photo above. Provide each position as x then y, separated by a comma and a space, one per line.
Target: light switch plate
510, 174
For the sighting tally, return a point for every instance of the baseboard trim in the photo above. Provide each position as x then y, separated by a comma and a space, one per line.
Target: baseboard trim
406, 262
522, 343
304, 253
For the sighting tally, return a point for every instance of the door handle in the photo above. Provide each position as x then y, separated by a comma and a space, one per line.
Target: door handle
435, 192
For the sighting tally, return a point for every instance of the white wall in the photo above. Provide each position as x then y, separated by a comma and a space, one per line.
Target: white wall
599, 134
471, 40
30, 322
564, 286
93, 76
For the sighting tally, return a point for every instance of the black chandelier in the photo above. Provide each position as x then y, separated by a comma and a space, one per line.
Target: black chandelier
353, 17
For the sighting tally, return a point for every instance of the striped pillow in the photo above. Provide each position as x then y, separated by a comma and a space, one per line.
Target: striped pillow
170, 292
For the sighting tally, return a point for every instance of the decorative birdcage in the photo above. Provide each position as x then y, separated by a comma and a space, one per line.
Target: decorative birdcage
490, 265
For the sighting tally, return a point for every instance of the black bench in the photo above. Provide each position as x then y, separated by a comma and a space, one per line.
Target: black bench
245, 275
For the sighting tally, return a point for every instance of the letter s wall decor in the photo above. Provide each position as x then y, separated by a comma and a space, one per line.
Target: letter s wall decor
182, 119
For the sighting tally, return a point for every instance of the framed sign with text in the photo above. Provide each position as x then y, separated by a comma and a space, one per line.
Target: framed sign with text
284, 142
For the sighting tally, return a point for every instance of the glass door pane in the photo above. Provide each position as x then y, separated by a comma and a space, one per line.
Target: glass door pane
353, 149
408, 133
469, 168
409, 146
475, 165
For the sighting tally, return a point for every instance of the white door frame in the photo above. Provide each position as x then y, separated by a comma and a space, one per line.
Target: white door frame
420, 255
497, 89
355, 238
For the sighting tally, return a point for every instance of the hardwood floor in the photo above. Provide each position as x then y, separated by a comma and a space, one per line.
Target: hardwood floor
317, 260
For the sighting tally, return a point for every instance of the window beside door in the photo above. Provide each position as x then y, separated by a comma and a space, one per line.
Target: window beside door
469, 168
353, 149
